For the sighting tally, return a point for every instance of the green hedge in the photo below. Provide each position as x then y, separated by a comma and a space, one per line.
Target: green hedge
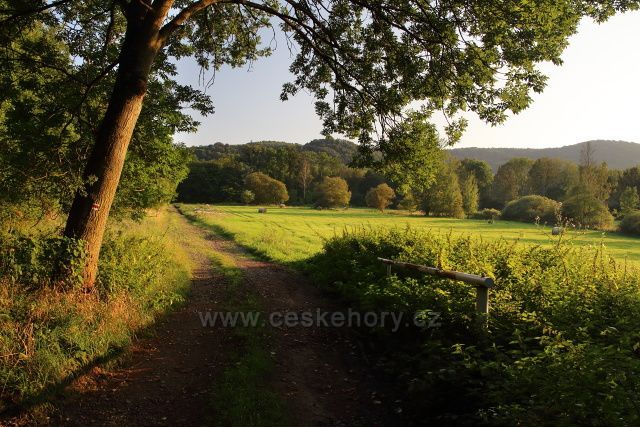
563, 340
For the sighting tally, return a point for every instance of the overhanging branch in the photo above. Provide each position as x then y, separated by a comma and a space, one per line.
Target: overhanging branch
183, 16
16, 13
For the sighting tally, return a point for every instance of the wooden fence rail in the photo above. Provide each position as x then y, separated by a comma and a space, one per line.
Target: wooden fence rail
481, 283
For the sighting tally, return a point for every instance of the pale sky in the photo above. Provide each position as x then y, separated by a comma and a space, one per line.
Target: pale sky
593, 95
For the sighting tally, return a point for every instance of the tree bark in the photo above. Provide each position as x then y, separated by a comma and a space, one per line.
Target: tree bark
90, 209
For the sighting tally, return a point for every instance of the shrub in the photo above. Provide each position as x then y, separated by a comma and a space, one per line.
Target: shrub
487, 214
38, 261
532, 208
247, 197
563, 328
332, 192
588, 211
380, 197
631, 223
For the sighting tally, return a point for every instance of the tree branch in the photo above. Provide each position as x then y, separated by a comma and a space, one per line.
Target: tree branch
183, 16
16, 13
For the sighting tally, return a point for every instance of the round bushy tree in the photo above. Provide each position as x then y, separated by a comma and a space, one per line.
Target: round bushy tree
332, 192
531, 208
587, 211
266, 189
380, 197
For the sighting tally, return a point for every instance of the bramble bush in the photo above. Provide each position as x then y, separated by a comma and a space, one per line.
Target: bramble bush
562, 346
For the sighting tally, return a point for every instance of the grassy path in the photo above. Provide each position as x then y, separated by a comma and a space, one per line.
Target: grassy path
187, 374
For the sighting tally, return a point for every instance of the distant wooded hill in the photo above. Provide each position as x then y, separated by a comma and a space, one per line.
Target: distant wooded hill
617, 154
339, 148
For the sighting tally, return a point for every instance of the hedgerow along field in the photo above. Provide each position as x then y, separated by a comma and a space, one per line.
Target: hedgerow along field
561, 344
291, 235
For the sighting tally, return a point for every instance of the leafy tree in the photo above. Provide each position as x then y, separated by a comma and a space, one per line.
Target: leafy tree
552, 178
247, 197
483, 175
587, 211
360, 181
511, 180
380, 197
629, 200
278, 160
363, 61
266, 189
593, 179
305, 175
213, 181
627, 178
45, 140
470, 195
332, 192
444, 198
415, 172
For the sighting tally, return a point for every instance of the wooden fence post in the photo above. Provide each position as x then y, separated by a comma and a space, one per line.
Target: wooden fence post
482, 299
481, 283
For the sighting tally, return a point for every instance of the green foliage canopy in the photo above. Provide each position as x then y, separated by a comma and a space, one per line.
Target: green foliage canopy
332, 192
266, 189
629, 200
365, 62
532, 208
380, 197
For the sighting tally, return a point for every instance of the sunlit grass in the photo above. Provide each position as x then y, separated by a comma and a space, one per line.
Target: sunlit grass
293, 234
48, 335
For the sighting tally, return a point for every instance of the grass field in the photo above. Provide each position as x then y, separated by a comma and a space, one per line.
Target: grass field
292, 234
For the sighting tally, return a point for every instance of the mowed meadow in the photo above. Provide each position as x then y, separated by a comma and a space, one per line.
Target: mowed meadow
293, 234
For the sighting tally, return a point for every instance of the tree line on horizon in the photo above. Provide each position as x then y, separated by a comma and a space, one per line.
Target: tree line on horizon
591, 193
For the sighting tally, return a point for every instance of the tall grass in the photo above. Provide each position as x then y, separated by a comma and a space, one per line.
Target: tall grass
49, 333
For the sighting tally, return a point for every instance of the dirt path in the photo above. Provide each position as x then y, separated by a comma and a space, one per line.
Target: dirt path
169, 378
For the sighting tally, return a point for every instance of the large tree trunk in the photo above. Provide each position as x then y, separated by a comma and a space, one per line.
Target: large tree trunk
90, 209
